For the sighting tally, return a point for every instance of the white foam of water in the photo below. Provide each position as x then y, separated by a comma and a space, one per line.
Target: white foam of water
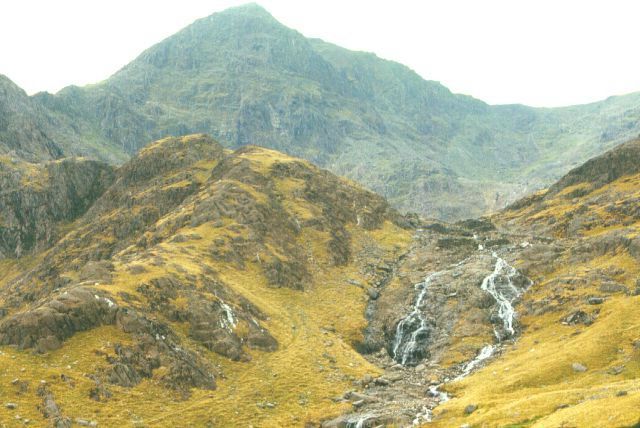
442, 397
405, 343
505, 293
503, 271
485, 353
359, 421
229, 322
425, 415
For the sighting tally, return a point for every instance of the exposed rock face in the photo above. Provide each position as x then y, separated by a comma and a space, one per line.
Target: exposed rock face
23, 126
444, 309
578, 193
47, 326
37, 199
602, 170
50, 409
185, 369
443, 285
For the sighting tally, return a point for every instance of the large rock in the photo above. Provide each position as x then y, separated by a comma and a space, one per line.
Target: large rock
46, 326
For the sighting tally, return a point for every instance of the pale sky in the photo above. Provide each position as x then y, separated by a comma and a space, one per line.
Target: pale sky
540, 52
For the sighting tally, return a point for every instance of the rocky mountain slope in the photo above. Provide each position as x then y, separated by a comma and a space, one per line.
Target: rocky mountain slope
244, 78
38, 200
527, 318
221, 286
22, 125
199, 285
32, 132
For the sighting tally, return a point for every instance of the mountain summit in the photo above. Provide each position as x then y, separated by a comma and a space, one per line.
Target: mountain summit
244, 78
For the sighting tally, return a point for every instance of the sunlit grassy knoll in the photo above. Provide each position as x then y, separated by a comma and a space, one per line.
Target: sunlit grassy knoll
625, 186
202, 169
568, 191
391, 235
262, 159
535, 377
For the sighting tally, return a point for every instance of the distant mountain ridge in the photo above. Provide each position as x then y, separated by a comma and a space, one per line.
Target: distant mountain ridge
245, 78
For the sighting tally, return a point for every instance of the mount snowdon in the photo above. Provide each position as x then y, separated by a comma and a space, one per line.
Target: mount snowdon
244, 78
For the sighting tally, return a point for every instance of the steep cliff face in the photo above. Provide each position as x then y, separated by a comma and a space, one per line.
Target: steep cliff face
38, 201
31, 129
23, 126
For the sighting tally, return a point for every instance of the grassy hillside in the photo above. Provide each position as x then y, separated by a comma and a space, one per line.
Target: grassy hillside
203, 287
577, 362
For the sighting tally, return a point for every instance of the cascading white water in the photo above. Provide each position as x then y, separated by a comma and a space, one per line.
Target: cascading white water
359, 421
485, 353
499, 284
229, 321
435, 392
424, 415
413, 328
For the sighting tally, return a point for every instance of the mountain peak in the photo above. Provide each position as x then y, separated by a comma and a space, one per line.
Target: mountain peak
7, 85
251, 8
247, 12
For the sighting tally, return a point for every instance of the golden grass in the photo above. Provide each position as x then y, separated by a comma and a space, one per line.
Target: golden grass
314, 363
315, 328
535, 377
533, 382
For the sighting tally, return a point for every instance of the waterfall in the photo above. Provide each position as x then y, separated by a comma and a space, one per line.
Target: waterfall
424, 415
229, 321
500, 285
485, 353
413, 330
435, 392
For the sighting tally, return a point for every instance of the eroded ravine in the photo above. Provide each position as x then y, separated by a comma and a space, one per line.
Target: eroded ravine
410, 387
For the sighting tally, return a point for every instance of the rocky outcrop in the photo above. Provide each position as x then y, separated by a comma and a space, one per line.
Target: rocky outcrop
50, 409
47, 326
36, 200
24, 126
212, 322
165, 227
602, 170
